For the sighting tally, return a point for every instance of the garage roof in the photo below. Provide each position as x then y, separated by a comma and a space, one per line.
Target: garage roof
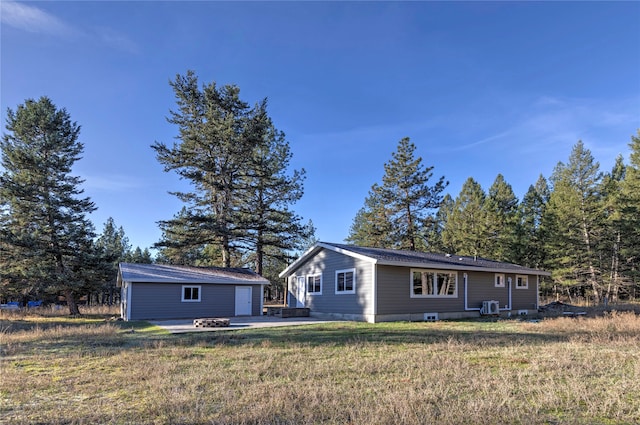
164, 273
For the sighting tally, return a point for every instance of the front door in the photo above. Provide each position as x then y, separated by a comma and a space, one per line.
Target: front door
243, 300
301, 292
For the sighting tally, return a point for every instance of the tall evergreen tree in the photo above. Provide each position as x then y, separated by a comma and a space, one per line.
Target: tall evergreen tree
501, 207
575, 214
140, 256
307, 240
609, 244
405, 201
115, 248
211, 152
530, 232
46, 235
236, 161
433, 231
190, 239
371, 226
267, 190
466, 229
630, 213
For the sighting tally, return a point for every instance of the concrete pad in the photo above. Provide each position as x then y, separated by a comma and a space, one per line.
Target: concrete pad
237, 323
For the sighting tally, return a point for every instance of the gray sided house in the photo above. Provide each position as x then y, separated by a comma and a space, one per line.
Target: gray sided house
155, 291
377, 285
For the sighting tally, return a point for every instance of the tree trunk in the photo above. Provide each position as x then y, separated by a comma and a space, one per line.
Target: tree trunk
226, 252
71, 303
259, 254
615, 266
592, 271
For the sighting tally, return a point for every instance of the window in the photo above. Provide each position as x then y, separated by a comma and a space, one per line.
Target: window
499, 281
522, 282
433, 283
314, 284
191, 294
346, 281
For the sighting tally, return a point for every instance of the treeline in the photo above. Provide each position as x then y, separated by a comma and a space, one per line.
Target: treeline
236, 215
582, 224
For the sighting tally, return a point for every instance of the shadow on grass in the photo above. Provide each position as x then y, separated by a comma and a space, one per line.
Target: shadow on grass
141, 334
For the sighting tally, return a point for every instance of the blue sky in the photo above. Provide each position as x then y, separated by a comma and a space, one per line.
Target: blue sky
481, 88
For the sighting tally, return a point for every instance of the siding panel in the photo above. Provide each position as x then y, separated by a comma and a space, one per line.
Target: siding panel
327, 262
394, 294
163, 301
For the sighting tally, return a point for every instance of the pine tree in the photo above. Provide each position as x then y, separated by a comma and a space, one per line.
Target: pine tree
396, 212
114, 246
190, 239
530, 231
501, 207
237, 162
46, 236
630, 212
371, 226
433, 231
574, 219
211, 153
265, 222
466, 230
609, 244
140, 256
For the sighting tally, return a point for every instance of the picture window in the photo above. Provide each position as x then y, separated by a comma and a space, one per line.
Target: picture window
433, 283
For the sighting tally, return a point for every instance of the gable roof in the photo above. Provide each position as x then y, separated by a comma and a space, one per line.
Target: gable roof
164, 273
393, 257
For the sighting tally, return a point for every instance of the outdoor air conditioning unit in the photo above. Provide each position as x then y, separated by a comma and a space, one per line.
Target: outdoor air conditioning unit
490, 308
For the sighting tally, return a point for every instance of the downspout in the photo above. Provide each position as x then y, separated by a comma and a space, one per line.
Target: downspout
374, 275
287, 300
537, 291
509, 306
129, 306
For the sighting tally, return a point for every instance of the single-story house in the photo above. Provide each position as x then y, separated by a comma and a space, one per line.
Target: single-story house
376, 285
156, 291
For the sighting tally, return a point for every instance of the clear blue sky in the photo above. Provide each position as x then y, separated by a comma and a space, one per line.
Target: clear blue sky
481, 88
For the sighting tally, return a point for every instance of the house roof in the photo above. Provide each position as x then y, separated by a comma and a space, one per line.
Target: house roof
393, 257
163, 273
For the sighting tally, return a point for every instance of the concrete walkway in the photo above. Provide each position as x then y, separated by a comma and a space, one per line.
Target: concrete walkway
237, 323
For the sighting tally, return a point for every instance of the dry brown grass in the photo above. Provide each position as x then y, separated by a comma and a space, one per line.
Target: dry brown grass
560, 370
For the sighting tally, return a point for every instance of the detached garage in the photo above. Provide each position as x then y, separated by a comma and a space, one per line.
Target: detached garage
156, 291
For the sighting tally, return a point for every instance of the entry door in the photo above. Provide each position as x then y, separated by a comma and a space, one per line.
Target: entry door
243, 300
301, 292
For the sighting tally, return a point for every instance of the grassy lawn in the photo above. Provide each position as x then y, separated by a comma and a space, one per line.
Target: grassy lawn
57, 370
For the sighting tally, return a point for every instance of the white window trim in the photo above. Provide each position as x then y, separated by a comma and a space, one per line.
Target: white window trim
192, 286
434, 271
525, 279
502, 280
354, 281
306, 282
